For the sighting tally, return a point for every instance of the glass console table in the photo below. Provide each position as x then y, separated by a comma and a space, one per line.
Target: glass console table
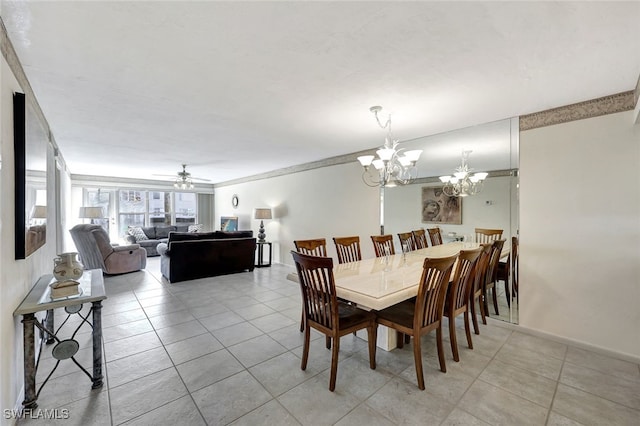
38, 300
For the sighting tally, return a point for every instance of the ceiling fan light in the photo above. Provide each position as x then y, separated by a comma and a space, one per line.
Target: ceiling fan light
406, 162
481, 175
378, 164
460, 175
445, 179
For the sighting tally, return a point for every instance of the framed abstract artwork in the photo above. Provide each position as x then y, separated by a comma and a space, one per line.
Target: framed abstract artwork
436, 207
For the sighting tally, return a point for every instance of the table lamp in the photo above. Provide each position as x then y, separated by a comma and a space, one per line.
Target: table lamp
91, 213
262, 214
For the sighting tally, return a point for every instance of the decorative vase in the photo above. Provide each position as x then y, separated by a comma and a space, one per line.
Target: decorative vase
67, 267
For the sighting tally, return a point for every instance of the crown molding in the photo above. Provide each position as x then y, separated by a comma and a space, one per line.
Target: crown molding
588, 109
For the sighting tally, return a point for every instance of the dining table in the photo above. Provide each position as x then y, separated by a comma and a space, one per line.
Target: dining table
379, 282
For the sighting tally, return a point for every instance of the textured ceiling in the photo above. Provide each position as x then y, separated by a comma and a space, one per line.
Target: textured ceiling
233, 89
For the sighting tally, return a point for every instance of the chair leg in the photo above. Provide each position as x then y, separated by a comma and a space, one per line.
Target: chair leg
407, 338
302, 322
484, 301
467, 328
495, 298
305, 349
372, 335
453, 338
506, 290
474, 316
327, 341
334, 364
481, 304
399, 340
417, 355
443, 365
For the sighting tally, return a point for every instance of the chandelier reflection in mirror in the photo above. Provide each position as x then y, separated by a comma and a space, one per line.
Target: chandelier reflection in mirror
393, 165
463, 183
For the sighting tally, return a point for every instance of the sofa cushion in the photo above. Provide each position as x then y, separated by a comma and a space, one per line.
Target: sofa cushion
150, 231
195, 228
163, 231
137, 233
182, 228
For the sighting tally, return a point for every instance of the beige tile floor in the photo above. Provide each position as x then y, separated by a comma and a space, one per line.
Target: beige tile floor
226, 350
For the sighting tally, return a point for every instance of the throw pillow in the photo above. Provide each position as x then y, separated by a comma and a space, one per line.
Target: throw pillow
195, 228
138, 233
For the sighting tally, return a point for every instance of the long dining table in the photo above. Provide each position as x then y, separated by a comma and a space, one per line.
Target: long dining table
380, 282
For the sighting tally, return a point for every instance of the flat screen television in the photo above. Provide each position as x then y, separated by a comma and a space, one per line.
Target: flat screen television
229, 223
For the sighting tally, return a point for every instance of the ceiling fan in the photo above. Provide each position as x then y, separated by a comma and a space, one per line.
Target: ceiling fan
183, 179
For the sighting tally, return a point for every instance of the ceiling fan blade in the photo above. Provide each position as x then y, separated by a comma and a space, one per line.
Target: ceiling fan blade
202, 179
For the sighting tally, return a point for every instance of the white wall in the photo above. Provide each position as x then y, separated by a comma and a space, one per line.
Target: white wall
320, 203
580, 231
16, 276
403, 209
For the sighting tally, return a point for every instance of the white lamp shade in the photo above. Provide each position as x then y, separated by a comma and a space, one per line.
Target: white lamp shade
445, 179
38, 212
385, 154
378, 164
262, 214
413, 155
366, 160
91, 213
481, 175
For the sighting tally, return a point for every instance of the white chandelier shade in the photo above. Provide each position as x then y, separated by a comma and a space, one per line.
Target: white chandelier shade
393, 165
463, 183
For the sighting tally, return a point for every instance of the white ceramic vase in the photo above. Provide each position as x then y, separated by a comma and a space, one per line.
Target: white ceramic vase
67, 267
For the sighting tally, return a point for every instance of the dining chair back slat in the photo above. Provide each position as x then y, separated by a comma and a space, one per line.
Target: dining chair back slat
435, 236
313, 247
420, 239
348, 249
484, 235
383, 245
407, 242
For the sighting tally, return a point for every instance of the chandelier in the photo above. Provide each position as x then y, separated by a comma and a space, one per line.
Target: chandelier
393, 166
184, 180
463, 183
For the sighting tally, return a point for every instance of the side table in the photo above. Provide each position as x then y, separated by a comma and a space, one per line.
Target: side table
38, 300
261, 263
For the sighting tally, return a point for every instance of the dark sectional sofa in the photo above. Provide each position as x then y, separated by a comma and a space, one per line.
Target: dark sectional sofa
155, 235
188, 256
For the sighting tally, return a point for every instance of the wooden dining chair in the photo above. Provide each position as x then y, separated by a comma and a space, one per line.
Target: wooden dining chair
406, 241
435, 236
348, 249
484, 235
325, 313
490, 281
457, 302
313, 247
425, 314
420, 239
383, 245
480, 277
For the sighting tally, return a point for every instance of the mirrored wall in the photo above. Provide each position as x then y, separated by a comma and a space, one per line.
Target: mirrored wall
494, 149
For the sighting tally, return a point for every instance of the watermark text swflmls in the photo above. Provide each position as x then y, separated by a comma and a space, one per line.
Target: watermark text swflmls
37, 413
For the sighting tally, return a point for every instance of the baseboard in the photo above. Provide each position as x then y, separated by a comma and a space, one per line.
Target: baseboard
565, 340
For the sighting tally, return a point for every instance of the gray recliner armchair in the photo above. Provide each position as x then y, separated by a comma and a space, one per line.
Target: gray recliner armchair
96, 251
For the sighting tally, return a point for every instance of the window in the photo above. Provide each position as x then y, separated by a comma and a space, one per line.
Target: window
132, 209
185, 208
97, 198
159, 208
